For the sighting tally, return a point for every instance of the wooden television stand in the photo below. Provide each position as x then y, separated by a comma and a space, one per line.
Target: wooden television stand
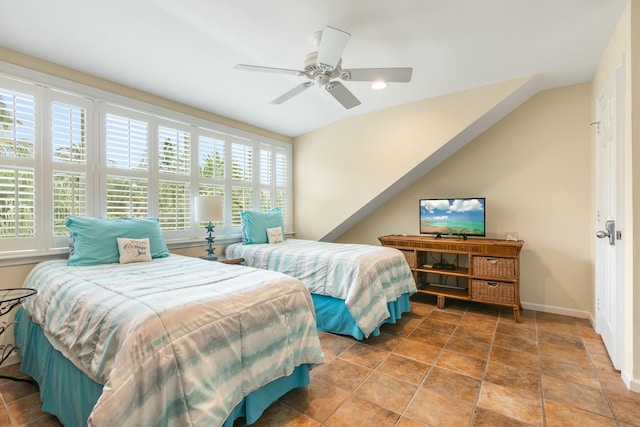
481, 270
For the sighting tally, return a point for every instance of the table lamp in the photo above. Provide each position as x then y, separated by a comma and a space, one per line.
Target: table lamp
209, 208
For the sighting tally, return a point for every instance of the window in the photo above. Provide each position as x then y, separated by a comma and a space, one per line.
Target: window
73, 150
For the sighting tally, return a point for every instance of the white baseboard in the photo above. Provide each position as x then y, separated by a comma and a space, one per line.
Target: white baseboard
631, 383
581, 314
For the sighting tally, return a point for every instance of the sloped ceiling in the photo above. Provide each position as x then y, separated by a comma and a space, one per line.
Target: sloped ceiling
186, 50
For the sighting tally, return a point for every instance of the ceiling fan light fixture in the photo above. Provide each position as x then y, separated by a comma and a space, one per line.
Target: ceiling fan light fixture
379, 85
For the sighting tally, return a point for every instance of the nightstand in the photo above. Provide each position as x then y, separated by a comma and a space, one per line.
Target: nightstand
239, 261
9, 298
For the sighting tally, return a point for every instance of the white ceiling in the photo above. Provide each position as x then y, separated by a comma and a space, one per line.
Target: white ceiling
186, 50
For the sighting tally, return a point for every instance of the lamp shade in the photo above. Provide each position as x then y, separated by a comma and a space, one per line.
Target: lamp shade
208, 208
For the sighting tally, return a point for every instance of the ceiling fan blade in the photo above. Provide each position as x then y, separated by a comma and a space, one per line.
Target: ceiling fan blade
293, 92
342, 95
269, 69
377, 74
332, 44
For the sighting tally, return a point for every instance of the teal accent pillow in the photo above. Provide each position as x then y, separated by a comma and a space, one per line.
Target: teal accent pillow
255, 224
95, 239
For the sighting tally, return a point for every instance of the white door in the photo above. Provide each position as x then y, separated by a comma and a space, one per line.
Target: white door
609, 197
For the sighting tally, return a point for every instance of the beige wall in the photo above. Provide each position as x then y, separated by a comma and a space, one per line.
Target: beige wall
533, 167
341, 167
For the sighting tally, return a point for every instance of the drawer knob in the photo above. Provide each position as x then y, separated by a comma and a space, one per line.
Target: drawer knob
492, 260
492, 284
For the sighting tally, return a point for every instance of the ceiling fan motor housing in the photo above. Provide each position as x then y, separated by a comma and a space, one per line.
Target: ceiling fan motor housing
321, 74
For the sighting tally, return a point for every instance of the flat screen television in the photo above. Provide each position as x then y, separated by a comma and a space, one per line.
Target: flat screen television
453, 217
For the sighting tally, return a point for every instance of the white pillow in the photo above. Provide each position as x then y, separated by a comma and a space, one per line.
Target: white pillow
274, 235
133, 250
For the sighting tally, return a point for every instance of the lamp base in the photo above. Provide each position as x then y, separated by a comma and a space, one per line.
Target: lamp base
211, 256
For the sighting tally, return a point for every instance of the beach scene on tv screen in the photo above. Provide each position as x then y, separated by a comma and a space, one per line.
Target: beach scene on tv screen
452, 216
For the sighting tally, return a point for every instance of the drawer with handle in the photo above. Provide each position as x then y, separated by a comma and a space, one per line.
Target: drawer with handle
499, 268
497, 292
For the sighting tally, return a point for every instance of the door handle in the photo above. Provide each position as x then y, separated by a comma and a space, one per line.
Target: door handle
610, 232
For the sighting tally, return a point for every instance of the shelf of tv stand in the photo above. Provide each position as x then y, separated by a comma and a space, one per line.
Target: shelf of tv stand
458, 271
457, 293
490, 268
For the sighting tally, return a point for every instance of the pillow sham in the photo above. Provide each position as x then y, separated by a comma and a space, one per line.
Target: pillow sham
255, 223
133, 250
95, 238
274, 235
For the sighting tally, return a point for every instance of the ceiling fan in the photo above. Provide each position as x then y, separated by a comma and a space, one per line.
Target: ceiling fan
323, 67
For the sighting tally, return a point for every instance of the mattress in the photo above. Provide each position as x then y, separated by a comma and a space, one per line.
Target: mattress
174, 341
367, 278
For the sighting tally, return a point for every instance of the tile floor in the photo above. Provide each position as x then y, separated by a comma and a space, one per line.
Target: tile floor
466, 365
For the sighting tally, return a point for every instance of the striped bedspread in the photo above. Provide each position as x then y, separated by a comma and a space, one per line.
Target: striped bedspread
366, 277
175, 341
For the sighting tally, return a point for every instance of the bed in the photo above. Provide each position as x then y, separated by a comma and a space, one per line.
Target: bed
173, 341
355, 288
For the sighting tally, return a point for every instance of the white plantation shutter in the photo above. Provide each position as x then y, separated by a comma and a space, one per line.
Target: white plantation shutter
212, 157
175, 205
174, 174
127, 164
17, 124
69, 199
174, 151
212, 163
127, 143
69, 158
66, 152
241, 162
127, 197
241, 200
266, 179
274, 166
266, 168
17, 203
69, 133
17, 164
242, 190
281, 170
266, 200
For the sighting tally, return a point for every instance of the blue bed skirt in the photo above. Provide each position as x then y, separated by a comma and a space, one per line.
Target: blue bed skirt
70, 395
333, 316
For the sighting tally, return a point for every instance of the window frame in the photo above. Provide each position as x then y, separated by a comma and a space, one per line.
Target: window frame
97, 102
